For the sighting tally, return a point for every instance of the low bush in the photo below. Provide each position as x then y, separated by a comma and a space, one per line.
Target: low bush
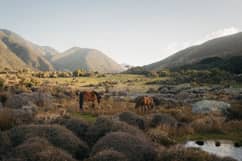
108, 155
3, 97
104, 125
235, 112
77, 126
12, 117
55, 134
134, 147
207, 125
133, 119
2, 83
39, 149
5, 144
159, 136
163, 119
7, 120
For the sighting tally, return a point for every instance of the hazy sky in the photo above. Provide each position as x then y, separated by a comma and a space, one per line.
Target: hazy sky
136, 32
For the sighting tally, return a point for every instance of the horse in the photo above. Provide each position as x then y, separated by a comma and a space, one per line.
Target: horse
89, 96
145, 103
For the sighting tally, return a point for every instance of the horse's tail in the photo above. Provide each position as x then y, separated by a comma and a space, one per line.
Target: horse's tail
81, 100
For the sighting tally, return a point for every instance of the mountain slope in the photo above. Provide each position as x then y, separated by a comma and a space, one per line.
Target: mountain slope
28, 54
9, 59
87, 59
49, 52
224, 47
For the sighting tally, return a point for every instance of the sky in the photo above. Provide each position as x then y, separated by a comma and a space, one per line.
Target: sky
135, 32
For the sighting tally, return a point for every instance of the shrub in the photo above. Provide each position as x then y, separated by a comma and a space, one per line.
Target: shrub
38, 98
104, 125
135, 148
39, 149
163, 119
6, 119
3, 97
108, 155
133, 119
12, 117
2, 83
77, 126
5, 144
235, 112
207, 125
159, 136
55, 134
181, 154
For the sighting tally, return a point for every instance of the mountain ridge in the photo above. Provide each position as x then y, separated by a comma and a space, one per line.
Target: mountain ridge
18, 53
222, 47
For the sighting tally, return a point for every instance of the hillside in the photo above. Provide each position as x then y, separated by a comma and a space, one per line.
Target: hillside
20, 53
9, 59
49, 52
87, 59
223, 47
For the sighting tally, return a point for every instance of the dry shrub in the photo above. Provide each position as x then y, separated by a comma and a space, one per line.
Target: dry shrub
108, 155
159, 136
5, 143
208, 124
134, 147
12, 117
2, 83
163, 119
38, 98
104, 125
7, 119
189, 154
3, 97
39, 149
111, 106
133, 119
77, 126
185, 115
233, 125
235, 112
183, 129
55, 134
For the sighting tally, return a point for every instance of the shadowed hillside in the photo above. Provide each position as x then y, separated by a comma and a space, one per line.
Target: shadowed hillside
222, 47
49, 52
87, 59
28, 54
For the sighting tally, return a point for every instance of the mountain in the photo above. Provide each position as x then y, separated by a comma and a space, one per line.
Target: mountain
49, 52
9, 59
224, 47
87, 59
17, 53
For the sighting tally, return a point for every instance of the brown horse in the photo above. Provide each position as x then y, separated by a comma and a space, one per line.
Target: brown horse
145, 103
89, 96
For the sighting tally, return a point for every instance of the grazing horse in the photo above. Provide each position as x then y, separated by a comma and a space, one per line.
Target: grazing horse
89, 96
145, 103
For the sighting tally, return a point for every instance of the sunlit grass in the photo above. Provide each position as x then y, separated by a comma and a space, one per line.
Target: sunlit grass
85, 116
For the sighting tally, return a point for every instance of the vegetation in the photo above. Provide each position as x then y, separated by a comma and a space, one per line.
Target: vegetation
42, 116
135, 148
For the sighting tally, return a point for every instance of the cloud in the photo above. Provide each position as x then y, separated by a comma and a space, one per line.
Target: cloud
178, 46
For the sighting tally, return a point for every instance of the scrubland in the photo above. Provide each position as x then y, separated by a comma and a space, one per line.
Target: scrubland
40, 117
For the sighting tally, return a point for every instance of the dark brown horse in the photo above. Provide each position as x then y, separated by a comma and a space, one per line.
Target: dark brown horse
89, 96
145, 103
